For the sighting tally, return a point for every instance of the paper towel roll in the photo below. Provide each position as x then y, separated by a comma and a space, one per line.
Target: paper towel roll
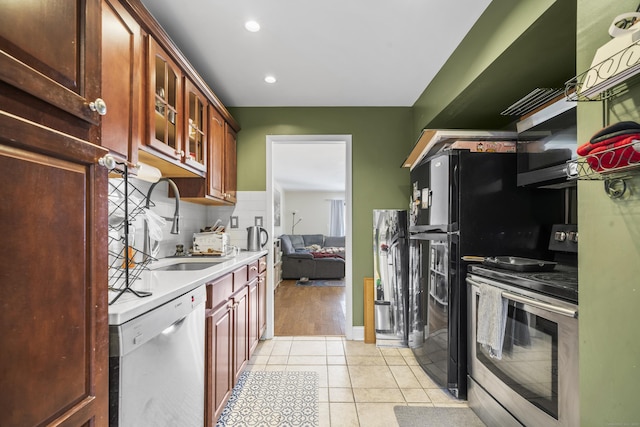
148, 173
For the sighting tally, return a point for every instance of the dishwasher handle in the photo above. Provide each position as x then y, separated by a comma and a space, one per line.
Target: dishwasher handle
533, 302
174, 327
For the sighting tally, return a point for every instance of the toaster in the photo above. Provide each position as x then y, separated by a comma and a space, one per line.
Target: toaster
214, 243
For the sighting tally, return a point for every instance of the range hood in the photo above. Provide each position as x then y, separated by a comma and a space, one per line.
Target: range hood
547, 143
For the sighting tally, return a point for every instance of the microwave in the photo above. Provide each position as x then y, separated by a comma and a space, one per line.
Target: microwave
546, 146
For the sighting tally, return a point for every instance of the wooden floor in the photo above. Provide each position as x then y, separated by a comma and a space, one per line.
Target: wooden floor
312, 310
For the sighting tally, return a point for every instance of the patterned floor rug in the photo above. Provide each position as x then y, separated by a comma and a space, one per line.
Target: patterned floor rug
273, 398
320, 282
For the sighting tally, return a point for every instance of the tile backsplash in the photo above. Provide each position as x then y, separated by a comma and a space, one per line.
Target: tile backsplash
194, 217
249, 205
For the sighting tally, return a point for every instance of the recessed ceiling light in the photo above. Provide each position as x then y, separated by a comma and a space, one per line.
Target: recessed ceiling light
252, 26
270, 79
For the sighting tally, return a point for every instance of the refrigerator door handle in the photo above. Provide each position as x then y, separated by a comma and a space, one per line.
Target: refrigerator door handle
429, 236
434, 228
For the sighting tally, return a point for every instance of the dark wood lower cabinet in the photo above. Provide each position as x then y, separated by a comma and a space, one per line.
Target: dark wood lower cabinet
219, 360
262, 304
241, 333
233, 316
253, 315
54, 345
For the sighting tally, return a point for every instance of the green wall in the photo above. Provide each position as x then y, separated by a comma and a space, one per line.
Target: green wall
381, 140
502, 23
383, 137
609, 229
609, 253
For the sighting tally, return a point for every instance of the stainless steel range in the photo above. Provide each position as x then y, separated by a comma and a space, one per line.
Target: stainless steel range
535, 379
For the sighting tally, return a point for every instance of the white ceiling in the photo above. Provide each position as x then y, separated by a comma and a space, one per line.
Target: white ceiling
323, 53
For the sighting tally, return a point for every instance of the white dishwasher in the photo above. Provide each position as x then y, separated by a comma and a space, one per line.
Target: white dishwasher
156, 366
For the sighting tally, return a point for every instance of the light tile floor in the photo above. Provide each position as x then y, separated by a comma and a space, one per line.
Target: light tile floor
359, 383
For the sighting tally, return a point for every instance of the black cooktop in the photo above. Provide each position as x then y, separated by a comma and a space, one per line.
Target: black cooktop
561, 282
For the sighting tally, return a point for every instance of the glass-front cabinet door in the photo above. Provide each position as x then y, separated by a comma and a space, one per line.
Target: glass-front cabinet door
216, 156
230, 164
196, 127
166, 111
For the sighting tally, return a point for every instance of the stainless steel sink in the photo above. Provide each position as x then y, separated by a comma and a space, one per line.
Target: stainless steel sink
188, 266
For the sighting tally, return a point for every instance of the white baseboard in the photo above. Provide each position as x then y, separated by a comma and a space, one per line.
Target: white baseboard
357, 333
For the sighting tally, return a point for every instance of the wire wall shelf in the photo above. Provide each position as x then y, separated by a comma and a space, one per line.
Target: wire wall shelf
126, 263
605, 79
612, 165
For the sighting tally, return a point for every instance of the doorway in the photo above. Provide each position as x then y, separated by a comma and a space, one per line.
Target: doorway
273, 143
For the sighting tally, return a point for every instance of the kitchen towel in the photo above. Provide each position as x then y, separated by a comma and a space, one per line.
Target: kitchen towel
492, 319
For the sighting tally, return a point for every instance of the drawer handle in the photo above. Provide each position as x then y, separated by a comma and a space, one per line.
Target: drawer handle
253, 267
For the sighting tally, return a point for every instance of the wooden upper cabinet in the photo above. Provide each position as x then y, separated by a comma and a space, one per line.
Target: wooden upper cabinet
55, 343
219, 186
165, 103
177, 122
196, 140
215, 170
122, 50
230, 165
50, 50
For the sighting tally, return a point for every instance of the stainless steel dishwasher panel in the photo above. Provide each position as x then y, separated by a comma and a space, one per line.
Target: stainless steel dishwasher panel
157, 366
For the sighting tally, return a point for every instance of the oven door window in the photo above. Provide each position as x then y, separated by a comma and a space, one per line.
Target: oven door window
529, 364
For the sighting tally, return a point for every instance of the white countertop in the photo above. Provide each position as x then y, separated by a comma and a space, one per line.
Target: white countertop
167, 285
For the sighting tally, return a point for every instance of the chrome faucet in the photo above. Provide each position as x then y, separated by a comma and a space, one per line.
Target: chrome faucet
175, 227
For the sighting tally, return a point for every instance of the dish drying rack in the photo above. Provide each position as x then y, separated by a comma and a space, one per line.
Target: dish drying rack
126, 265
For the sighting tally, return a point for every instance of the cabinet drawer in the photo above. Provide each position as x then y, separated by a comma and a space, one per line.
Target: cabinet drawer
240, 278
253, 270
219, 291
262, 264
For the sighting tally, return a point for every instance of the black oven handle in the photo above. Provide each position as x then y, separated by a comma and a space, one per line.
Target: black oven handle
534, 303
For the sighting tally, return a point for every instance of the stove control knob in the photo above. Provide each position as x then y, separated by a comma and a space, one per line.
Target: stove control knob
560, 236
573, 236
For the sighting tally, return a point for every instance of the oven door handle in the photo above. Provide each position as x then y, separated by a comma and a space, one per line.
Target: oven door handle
534, 303
542, 305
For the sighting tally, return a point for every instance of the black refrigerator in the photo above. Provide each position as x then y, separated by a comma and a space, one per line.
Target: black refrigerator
464, 204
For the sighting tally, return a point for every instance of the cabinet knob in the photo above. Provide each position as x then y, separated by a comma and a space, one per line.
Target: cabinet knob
107, 161
98, 106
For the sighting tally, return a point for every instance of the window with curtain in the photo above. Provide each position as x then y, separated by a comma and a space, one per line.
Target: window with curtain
336, 224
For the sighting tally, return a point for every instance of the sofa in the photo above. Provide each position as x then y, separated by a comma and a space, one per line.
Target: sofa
312, 256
